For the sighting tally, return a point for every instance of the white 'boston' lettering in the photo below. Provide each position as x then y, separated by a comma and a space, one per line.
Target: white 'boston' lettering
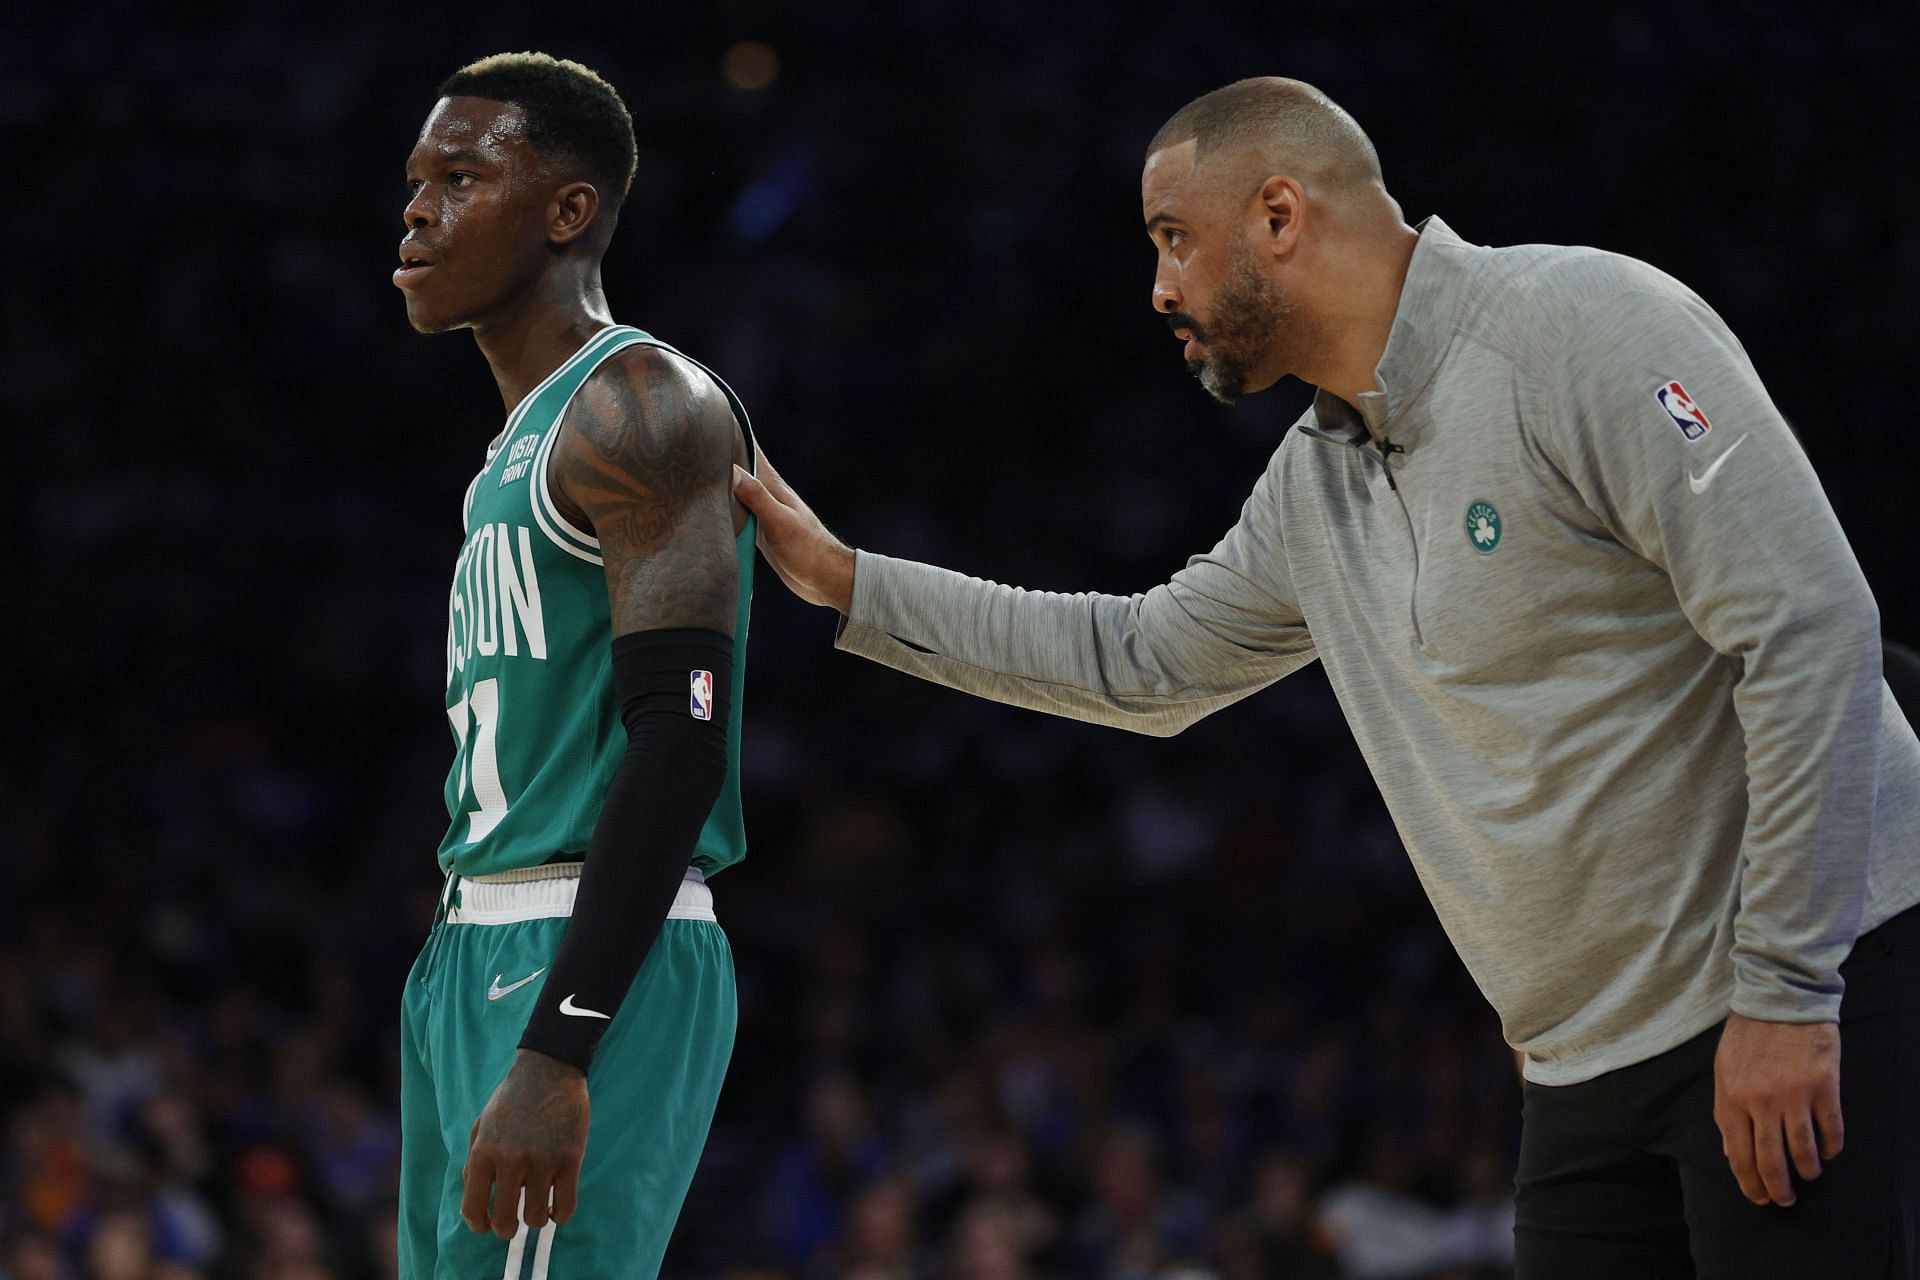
520, 602
486, 595
494, 605
468, 564
453, 648
459, 617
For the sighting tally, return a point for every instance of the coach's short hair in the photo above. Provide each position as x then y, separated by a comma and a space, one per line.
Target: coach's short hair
570, 111
1279, 117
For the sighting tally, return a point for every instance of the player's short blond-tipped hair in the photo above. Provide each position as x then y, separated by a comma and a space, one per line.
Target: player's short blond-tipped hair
1287, 121
570, 111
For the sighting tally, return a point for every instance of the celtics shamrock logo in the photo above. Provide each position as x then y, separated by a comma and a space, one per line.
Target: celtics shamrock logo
1483, 527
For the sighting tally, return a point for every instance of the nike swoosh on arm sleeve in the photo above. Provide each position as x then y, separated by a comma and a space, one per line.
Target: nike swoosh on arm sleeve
1764, 574
1222, 627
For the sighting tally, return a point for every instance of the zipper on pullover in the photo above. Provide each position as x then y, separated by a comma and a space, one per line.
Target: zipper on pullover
1385, 458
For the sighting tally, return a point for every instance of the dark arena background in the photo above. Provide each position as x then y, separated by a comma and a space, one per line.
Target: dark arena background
1020, 998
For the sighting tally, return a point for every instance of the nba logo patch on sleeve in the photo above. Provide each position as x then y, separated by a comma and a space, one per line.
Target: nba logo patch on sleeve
701, 704
1680, 407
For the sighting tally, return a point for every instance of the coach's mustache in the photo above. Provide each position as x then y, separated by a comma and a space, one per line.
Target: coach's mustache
1179, 320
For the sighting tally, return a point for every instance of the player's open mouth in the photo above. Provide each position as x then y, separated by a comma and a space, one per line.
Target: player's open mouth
416, 259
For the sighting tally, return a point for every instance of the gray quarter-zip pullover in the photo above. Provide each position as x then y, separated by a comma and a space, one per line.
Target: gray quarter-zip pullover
1596, 629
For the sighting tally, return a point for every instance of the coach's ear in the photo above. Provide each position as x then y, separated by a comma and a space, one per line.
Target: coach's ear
1283, 203
573, 210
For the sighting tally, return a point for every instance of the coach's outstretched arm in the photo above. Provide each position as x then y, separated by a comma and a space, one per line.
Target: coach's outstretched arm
1225, 625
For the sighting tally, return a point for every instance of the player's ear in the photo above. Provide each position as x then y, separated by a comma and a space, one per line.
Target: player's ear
571, 212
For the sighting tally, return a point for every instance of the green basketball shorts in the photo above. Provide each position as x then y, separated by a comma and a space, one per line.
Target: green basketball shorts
653, 1085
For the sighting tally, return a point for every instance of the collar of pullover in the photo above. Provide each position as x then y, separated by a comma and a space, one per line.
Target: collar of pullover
1422, 330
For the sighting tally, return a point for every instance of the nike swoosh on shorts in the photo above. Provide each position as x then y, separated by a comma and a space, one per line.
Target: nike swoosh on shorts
495, 991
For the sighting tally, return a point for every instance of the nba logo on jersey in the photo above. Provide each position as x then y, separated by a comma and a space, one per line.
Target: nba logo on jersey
702, 703
1685, 413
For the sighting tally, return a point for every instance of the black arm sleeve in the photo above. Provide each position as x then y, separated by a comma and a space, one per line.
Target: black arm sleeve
674, 767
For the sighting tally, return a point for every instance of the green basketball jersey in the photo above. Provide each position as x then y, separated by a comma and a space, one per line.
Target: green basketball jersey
529, 658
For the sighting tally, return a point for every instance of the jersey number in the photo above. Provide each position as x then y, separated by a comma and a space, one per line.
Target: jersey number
479, 756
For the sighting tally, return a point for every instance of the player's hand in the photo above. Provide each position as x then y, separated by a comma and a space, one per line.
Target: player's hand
815, 565
528, 1141
1774, 1085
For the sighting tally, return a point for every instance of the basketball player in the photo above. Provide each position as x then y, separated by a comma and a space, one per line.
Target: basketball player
1603, 645
596, 638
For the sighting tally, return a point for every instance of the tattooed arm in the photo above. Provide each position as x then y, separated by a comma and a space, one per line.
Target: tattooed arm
644, 458
644, 461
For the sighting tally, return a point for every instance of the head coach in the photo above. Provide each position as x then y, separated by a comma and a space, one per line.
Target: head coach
1607, 653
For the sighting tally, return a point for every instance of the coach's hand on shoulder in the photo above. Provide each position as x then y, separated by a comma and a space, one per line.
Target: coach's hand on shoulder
1774, 1085
530, 1138
815, 565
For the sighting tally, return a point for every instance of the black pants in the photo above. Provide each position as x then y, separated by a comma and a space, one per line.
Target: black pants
1622, 1177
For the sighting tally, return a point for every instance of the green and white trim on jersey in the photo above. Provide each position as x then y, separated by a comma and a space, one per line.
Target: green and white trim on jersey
547, 517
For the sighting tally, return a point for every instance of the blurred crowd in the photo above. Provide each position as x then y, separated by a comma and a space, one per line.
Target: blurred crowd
1079, 1022
1021, 999
1061, 1053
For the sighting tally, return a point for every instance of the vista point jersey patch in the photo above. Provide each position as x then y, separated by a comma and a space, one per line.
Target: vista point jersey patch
701, 705
1680, 407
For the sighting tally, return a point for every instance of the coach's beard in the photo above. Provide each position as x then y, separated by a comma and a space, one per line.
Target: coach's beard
1251, 310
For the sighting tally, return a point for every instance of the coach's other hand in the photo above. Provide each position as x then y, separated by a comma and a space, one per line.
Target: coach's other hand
815, 565
1773, 1084
525, 1149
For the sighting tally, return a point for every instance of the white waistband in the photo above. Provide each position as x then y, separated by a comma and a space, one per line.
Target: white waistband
539, 893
